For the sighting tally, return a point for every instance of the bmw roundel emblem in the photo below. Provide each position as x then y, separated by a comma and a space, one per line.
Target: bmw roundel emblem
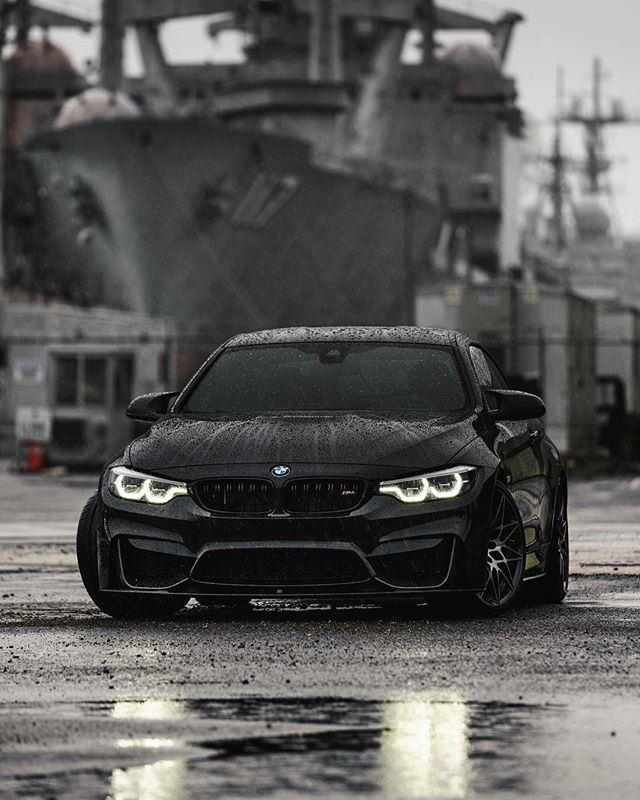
280, 471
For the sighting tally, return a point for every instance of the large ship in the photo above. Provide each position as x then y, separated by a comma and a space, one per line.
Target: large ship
318, 181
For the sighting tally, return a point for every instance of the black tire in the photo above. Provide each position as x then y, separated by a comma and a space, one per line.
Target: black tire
552, 587
507, 525
506, 555
118, 606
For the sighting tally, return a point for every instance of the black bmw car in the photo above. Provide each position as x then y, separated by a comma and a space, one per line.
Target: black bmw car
334, 463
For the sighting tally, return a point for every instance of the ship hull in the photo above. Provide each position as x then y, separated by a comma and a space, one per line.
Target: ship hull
224, 230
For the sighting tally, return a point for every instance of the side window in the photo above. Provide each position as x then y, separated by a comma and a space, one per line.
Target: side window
488, 372
498, 381
480, 366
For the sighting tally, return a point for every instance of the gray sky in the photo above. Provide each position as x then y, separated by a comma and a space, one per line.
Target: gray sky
567, 33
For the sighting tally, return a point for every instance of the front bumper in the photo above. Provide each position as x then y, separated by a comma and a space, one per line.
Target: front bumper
382, 548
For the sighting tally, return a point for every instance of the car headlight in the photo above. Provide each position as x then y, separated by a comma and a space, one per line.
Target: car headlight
445, 485
130, 485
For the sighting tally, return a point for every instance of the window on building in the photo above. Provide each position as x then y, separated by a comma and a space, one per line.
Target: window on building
66, 380
123, 380
94, 390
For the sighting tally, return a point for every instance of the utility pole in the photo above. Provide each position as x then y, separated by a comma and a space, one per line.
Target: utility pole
22, 11
407, 247
111, 47
23, 21
427, 18
557, 185
3, 118
325, 52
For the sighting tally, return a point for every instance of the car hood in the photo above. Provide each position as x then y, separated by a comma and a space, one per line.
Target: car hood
183, 443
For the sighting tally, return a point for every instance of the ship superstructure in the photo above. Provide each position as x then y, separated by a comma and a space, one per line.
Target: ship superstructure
318, 181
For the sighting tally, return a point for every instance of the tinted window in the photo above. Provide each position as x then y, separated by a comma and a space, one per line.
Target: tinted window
498, 381
488, 372
330, 377
480, 366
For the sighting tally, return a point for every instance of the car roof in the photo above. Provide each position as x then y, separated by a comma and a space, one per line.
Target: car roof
403, 334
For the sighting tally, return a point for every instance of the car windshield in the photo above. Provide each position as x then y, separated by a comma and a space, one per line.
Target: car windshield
330, 376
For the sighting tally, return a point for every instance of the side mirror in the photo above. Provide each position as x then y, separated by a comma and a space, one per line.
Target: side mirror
150, 407
510, 405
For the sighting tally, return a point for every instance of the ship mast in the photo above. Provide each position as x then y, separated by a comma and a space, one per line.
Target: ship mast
325, 56
558, 182
597, 165
111, 45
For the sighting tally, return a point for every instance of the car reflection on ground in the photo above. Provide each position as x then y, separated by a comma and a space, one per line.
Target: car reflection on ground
399, 748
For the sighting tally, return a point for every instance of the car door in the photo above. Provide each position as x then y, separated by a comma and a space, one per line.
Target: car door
519, 447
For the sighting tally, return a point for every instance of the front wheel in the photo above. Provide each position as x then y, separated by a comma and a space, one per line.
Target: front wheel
504, 567
506, 552
119, 606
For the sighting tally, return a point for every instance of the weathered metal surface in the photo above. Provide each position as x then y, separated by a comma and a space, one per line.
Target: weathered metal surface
398, 11
43, 84
225, 230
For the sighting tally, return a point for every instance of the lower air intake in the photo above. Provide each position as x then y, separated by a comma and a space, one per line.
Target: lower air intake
426, 568
291, 566
153, 564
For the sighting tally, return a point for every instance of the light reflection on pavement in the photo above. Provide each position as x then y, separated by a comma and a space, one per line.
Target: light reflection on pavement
162, 780
331, 748
424, 749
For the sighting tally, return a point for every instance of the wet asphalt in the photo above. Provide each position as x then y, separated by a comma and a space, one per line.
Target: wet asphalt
292, 701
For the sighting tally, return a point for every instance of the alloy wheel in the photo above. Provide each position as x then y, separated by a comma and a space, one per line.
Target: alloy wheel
562, 540
505, 554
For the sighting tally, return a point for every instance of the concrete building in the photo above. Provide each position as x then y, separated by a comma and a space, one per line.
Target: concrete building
67, 375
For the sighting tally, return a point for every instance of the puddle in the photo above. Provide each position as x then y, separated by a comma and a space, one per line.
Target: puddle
323, 747
407, 748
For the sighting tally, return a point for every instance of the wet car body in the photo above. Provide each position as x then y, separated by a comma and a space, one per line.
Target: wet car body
322, 528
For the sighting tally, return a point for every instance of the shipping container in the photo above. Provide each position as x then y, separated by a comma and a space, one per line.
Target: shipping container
618, 350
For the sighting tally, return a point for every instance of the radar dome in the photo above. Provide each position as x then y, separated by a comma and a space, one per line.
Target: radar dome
40, 55
478, 70
96, 103
25, 116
